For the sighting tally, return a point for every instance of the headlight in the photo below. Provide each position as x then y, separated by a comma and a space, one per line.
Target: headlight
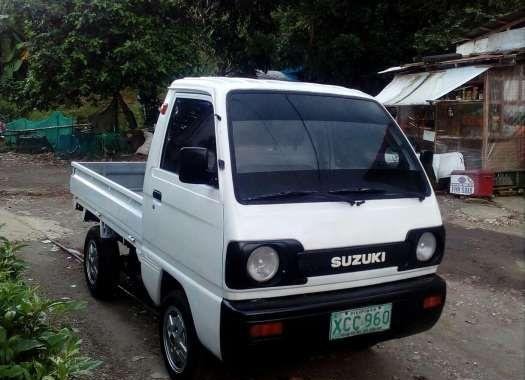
426, 246
263, 263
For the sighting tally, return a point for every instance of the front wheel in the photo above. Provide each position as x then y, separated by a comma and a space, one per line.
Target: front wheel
178, 339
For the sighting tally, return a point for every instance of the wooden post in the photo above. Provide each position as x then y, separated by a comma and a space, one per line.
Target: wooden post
486, 116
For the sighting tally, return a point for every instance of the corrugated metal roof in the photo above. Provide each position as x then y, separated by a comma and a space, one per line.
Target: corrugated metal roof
420, 88
401, 87
482, 59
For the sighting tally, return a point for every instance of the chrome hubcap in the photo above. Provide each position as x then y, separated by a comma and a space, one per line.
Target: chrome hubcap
175, 339
92, 263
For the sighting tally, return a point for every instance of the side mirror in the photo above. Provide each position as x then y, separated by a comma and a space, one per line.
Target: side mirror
194, 165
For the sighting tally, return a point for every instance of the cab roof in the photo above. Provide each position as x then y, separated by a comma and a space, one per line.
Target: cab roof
227, 84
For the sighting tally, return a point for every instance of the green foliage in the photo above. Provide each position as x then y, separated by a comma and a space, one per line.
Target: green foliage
13, 59
347, 42
31, 347
237, 36
84, 51
10, 266
13, 47
452, 19
8, 110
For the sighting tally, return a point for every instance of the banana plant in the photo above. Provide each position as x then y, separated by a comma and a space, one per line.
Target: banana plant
13, 48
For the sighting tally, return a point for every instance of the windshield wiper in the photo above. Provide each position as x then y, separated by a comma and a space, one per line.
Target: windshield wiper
337, 195
357, 190
368, 190
282, 194
412, 194
300, 193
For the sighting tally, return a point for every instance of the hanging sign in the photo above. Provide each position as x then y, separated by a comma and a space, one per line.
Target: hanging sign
461, 184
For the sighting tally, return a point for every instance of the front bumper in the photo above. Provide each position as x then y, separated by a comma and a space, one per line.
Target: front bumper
306, 318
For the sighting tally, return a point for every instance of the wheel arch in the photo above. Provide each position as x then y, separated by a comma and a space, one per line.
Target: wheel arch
168, 283
204, 307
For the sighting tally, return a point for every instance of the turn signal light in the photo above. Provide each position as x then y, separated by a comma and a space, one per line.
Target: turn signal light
262, 330
431, 302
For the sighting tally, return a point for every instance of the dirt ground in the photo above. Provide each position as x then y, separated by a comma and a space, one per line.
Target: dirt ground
480, 335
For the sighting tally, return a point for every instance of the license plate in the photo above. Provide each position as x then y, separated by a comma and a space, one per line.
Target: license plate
364, 320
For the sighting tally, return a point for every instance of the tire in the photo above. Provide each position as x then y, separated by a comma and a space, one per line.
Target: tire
101, 264
178, 340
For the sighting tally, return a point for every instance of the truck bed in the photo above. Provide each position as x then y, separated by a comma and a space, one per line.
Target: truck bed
112, 191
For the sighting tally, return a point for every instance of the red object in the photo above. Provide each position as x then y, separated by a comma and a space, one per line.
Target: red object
163, 108
483, 181
266, 329
431, 302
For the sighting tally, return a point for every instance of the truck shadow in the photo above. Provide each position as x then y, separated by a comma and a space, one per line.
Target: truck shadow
341, 361
337, 363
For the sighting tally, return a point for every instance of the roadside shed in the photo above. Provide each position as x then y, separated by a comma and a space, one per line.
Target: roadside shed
471, 101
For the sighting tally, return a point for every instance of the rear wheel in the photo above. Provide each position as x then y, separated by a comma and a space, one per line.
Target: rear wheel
178, 339
101, 264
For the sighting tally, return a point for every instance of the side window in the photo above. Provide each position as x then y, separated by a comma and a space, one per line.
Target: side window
191, 124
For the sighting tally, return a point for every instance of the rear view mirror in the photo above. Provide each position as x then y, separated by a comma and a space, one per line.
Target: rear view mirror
391, 158
194, 165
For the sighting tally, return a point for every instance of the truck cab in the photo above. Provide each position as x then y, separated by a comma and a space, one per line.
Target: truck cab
269, 214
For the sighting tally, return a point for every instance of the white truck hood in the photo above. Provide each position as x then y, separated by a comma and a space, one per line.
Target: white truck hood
325, 225
322, 225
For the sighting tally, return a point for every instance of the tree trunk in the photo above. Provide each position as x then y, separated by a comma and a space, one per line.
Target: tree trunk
128, 114
150, 103
115, 103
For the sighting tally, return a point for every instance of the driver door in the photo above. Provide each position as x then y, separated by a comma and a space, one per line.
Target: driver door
183, 224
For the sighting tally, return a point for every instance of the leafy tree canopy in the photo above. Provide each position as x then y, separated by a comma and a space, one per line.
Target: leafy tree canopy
347, 42
83, 49
238, 36
93, 49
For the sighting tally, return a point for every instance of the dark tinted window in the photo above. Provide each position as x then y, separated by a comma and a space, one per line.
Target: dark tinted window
286, 142
288, 132
191, 124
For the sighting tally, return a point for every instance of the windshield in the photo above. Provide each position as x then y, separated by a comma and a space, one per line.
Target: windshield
290, 147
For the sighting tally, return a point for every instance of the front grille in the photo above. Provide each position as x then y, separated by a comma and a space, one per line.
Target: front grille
353, 259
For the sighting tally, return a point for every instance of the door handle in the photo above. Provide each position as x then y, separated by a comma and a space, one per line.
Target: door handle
157, 195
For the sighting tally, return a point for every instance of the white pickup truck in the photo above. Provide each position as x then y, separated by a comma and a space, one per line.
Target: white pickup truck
269, 214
